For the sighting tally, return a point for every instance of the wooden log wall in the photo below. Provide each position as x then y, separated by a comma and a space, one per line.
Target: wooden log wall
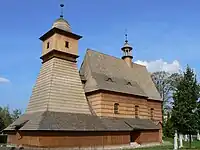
149, 136
103, 105
69, 139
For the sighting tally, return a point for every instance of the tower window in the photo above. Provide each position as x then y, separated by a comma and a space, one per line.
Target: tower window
152, 113
66, 44
116, 108
136, 111
47, 45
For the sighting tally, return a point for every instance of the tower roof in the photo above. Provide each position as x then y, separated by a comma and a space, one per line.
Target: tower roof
126, 44
62, 24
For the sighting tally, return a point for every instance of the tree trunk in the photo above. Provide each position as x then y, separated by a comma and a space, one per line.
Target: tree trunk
190, 140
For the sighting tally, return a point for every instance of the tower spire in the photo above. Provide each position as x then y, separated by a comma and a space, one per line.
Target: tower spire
61, 12
126, 36
127, 51
61, 23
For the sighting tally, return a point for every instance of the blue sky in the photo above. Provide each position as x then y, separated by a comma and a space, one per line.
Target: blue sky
162, 31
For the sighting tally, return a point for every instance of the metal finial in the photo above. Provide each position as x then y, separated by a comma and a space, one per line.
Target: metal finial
61, 14
126, 36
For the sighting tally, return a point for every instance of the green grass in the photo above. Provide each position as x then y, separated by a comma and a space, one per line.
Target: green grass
156, 148
195, 146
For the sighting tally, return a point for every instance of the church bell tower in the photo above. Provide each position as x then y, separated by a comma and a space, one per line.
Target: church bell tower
58, 87
127, 52
60, 41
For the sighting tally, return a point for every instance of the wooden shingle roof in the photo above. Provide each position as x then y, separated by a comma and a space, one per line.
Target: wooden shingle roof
58, 88
60, 121
98, 67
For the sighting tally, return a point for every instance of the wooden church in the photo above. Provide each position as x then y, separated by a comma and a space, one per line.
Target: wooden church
109, 101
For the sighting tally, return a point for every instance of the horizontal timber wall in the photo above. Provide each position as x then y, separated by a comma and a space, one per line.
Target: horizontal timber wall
157, 106
142, 137
103, 102
68, 139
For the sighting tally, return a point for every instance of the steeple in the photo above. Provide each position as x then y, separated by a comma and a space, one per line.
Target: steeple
61, 23
127, 52
60, 41
58, 87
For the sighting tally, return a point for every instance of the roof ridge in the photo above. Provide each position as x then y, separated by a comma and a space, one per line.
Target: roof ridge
139, 65
88, 49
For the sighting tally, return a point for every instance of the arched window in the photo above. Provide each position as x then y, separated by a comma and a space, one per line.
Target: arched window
116, 108
136, 111
152, 113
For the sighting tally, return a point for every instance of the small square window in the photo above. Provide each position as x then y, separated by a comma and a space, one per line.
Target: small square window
47, 45
66, 44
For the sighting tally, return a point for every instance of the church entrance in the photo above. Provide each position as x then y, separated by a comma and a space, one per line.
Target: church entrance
134, 136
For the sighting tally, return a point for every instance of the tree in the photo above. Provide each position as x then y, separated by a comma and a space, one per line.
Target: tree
168, 127
165, 84
2, 125
7, 117
16, 114
184, 111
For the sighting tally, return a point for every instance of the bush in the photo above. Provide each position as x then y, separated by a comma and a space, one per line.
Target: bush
3, 139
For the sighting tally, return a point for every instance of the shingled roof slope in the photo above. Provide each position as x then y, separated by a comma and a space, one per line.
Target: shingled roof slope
61, 121
110, 73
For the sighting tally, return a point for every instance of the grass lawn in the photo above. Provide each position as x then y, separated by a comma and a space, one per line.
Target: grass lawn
195, 146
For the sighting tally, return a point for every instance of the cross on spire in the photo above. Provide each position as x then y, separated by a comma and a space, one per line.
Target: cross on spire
126, 36
61, 13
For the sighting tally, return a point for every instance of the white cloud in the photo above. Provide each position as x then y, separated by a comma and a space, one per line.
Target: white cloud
4, 80
160, 65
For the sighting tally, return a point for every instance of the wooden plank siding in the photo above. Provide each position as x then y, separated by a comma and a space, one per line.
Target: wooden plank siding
95, 102
69, 139
58, 88
157, 106
142, 137
103, 104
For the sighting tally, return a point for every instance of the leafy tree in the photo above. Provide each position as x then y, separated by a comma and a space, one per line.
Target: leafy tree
165, 84
2, 125
16, 114
168, 127
7, 117
184, 112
